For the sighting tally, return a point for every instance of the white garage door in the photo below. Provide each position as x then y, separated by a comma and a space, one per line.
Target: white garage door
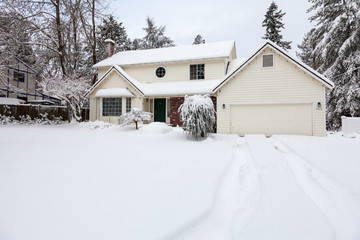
271, 119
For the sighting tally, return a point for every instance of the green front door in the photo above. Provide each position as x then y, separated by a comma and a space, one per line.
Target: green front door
160, 110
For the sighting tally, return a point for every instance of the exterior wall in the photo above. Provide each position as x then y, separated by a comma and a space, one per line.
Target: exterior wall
113, 80
28, 86
214, 69
282, 83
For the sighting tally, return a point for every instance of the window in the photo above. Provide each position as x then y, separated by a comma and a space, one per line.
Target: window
112, 106
168, 107
268, 60
197, 71
160, 72
128, 104
18, 76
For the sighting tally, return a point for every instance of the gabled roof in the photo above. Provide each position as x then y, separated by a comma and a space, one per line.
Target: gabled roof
170, 54
132, 81
316, 75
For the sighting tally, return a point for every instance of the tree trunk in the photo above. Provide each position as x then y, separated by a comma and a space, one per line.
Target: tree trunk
59, 36
136, 124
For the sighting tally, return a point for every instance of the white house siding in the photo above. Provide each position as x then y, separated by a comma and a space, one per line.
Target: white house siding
214, 69
284, 83
113, 80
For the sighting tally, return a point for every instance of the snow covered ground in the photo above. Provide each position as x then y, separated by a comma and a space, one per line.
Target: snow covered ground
98, 181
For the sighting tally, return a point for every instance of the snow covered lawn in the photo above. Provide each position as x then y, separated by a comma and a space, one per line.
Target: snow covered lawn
72, 182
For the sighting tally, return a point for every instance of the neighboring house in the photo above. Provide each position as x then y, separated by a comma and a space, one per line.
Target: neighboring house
17, 80
267, 93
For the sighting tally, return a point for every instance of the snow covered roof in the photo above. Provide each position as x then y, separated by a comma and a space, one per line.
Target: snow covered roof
11, 101
170, 54
156, 89
238, 65
114, 92
179, 88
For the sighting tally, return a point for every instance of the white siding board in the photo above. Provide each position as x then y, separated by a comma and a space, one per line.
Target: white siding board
214, 69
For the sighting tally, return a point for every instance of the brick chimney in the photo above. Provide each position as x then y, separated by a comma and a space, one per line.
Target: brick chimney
109, 48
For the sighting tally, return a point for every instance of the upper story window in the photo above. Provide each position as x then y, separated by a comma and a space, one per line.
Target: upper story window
112, 107
19, 76
160, 72
268, 60
197, 71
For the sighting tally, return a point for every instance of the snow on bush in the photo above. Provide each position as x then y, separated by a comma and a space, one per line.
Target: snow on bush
70, 89
26, 120
198, 115
134, 116
96, 125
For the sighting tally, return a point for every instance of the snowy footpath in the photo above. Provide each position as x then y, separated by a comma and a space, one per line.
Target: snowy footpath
98, 181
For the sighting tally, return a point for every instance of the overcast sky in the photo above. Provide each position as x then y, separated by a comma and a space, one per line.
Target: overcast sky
220, 20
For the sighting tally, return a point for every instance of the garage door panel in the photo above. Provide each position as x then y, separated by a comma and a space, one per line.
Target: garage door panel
271, 119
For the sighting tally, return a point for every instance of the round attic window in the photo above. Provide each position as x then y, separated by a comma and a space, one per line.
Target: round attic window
160, 72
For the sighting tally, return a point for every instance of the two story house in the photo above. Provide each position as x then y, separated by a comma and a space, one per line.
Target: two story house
18, 81
269, 92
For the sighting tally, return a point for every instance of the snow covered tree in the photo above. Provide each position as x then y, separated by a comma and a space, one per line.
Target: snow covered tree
198, 40
155, 36
307, 47
273, 24
335, 43
111, 29
70, 89
134, 116
197, 115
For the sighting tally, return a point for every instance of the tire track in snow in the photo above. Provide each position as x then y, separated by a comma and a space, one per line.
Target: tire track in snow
233, 205
340, 206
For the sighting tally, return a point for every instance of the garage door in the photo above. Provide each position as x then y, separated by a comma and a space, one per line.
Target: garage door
271, 119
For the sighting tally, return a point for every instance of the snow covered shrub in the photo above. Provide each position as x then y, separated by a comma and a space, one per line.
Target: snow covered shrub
197, 114
6, 118
96, 125
134, 116
26, 120
70, 89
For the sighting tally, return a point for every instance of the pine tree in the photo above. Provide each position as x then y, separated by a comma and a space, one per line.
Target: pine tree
111, 29
307, 48
198, 40
155, 36
273, 24
335, 43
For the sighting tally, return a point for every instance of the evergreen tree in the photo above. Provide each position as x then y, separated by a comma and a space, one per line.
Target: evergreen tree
111, 29
155, 36
273, 24
335, 43
198, 40
307, 48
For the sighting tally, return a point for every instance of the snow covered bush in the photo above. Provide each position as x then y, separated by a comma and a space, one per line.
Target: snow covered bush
197, 115
134, 116
26, 120
70, 89
96, 125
